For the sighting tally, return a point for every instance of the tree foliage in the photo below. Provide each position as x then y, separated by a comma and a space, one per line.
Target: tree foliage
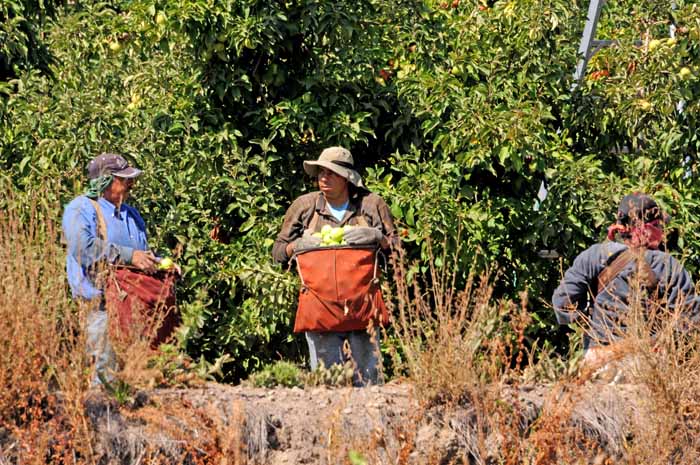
468, 103
21, 42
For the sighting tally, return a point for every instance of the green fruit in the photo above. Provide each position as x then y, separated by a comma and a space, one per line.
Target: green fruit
654, 44
115, 46
685, 73
644, 105
326, 229
166, 263
160, 18
337, 234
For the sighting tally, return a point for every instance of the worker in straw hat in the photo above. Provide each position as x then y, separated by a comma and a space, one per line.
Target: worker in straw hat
342, 200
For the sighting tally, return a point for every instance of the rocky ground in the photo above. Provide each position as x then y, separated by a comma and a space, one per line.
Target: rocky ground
381, 424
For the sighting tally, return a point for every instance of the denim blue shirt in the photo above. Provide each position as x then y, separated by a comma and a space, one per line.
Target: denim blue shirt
126, 232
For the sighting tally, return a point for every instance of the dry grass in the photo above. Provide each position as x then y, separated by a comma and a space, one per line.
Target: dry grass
461, 349
667, 367
465, 353
42, 371
446, 335
44, 368
133, 348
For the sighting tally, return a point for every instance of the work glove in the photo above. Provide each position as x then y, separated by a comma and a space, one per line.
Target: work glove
307, 241
362, 235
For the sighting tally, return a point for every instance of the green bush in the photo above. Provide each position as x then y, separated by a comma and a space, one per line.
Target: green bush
280, 373
21, 43
468, 105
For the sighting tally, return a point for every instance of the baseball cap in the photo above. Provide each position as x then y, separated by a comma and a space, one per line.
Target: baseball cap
111, 163
639, 207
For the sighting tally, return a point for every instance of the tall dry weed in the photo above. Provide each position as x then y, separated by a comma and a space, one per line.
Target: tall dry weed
461, 348
452, 341
42, 362
465, 353
660, 354
640, 404
134, 346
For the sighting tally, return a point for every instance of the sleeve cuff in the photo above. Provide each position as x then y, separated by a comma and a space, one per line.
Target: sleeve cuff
125, 254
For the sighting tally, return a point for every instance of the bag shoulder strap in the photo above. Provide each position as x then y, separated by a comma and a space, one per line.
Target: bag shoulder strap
101, 225
610, 272
314, 222
361, 221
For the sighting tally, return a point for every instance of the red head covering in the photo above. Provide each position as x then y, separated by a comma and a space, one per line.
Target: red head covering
639, 222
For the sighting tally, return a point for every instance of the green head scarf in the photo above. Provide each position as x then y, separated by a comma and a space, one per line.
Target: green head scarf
98, 185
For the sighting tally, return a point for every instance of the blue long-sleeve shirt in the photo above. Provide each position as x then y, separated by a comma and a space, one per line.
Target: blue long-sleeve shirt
126, 232
606, 310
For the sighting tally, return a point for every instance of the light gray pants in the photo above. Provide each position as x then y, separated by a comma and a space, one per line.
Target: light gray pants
328, 347
99, 349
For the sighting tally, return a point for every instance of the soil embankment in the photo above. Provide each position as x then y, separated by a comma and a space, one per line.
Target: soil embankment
345, 425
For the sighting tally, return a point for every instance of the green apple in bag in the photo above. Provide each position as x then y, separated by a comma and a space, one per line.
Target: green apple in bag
336, 234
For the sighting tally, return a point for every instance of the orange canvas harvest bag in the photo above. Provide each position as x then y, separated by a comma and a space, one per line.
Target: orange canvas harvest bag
339, 290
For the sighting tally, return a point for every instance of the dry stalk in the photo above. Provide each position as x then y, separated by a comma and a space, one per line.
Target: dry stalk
43, 366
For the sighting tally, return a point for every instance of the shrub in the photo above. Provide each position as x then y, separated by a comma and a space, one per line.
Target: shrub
280, 373
23, 47
470, 106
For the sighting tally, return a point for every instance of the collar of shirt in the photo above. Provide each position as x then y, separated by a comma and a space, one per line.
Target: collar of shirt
322, 206
109, 206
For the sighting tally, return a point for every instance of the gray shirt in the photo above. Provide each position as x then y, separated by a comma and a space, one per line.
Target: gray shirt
575, 297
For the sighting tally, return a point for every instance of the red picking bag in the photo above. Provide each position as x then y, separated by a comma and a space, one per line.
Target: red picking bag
339, 290
143, 302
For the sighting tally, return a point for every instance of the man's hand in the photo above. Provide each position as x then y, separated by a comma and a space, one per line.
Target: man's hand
362, 235
307, 241
144, 260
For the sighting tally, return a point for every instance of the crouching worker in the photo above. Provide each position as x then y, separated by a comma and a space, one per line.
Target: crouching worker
340, 296
108, 261
600, 283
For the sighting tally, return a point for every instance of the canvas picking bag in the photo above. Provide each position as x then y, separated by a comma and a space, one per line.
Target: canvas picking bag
339, 290
144, 305
141, 302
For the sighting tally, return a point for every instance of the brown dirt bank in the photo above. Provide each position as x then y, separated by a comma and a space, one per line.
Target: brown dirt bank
381, 424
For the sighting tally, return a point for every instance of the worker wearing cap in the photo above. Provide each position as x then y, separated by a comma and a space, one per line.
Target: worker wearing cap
110, 182
341, 200
599, 283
